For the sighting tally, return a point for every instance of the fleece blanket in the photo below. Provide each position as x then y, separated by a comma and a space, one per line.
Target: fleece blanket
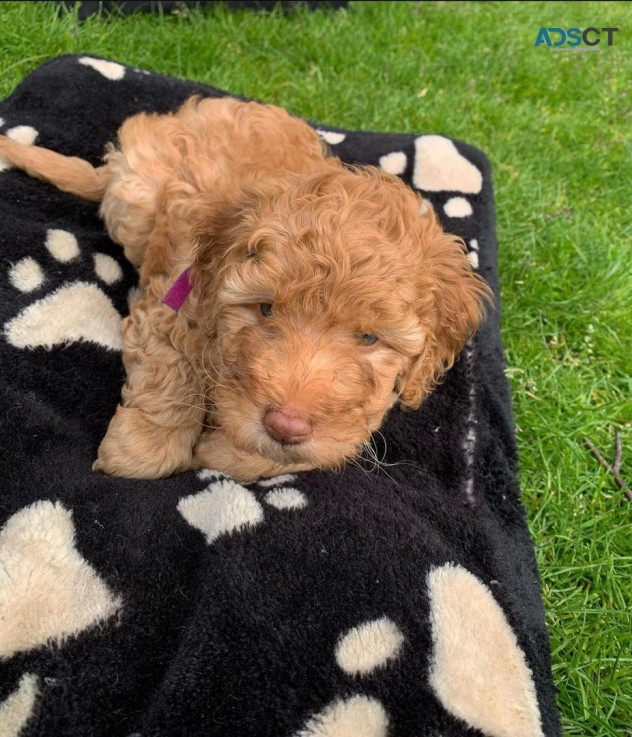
399, 600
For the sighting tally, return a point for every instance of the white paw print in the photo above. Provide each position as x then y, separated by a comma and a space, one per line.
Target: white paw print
394, 163
363, 650
70, 312
333, 138
50, 593
111, 70
439, 166
226, 506
477, 671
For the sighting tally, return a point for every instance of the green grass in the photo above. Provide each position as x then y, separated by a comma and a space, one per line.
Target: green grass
558, 129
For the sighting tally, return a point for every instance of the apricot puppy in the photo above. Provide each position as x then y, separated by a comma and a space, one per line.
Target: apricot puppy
311, 296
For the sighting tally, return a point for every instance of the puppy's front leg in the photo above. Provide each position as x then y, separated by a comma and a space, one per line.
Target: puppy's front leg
215, 450
155, 428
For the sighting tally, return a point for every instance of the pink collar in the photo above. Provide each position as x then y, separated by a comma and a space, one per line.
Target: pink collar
179, 291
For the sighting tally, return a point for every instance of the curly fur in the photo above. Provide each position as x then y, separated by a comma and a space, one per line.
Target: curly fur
246, 196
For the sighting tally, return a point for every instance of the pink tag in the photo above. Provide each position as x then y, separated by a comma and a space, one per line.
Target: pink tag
179, 291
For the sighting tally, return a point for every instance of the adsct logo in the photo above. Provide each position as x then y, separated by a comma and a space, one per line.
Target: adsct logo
587, 39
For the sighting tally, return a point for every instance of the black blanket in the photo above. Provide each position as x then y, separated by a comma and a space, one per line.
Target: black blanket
401, 600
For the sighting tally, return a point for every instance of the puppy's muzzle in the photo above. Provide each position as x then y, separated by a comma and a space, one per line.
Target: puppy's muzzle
287, 425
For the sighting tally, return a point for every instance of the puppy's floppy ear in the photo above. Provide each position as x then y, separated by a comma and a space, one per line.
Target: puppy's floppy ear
451, 305
216, 229
222, 223
218, 224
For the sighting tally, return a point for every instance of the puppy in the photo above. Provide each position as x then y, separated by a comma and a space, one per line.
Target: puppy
311, 296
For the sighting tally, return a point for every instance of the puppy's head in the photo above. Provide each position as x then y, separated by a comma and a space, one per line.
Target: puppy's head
326, 298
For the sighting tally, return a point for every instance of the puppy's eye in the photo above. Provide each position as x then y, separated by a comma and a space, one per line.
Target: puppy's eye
266, 309
367, 339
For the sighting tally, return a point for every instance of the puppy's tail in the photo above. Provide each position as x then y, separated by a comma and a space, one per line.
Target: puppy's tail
67, 173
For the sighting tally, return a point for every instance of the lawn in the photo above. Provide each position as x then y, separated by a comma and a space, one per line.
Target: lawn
558, 129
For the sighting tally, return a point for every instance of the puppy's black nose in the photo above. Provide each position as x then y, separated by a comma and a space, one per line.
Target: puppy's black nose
287, 425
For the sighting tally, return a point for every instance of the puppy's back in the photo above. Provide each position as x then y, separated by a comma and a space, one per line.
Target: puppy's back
208, 145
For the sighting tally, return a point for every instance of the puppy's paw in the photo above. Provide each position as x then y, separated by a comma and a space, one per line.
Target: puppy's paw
134, 447
215, 450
